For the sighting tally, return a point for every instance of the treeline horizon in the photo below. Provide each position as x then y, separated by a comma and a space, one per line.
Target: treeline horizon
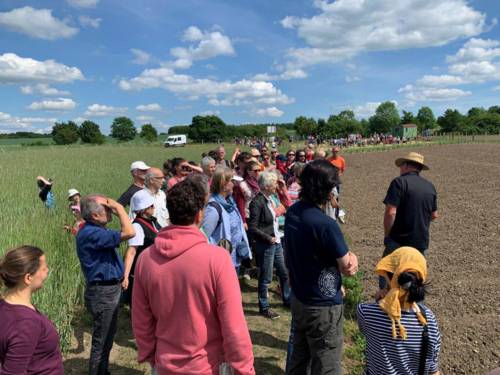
211, 128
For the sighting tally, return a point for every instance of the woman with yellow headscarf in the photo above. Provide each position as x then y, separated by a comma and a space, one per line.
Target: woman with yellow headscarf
395, 326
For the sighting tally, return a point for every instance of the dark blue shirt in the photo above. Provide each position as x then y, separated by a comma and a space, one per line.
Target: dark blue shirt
97, 249
313, 243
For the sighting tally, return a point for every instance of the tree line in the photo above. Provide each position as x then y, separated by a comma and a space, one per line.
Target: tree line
213, 129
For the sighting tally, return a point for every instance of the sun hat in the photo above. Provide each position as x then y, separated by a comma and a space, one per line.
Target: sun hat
72, 192
141, 200
413, 157
139, 165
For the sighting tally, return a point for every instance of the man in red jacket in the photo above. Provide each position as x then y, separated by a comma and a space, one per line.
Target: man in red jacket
187, 314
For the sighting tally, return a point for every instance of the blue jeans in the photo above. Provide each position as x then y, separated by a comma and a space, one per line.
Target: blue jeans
269, 256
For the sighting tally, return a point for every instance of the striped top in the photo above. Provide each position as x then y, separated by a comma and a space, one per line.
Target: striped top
388, 356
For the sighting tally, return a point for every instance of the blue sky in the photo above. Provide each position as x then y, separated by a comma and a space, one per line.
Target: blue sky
162, 62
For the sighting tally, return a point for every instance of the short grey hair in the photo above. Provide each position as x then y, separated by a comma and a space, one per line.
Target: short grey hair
266, 179
206, 161
148, 177
90, 206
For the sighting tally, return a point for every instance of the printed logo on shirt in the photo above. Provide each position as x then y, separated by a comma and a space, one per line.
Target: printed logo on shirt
328, 282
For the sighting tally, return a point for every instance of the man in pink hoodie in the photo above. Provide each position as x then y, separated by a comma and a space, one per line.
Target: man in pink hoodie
187, 314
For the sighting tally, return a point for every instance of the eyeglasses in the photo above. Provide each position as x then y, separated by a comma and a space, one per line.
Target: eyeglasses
159, 177
185, 169
255, 170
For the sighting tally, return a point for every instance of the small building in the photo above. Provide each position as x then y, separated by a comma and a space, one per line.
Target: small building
407, 131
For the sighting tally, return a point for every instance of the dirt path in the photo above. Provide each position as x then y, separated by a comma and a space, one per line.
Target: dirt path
464, 250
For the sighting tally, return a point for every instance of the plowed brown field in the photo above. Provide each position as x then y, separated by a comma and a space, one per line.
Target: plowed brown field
464, 251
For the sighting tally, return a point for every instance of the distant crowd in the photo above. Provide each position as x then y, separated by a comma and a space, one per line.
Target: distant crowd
194, 229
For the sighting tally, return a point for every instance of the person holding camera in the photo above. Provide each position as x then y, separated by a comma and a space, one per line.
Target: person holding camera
102, 266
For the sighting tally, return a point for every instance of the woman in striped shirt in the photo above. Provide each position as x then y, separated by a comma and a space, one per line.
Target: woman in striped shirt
394, 326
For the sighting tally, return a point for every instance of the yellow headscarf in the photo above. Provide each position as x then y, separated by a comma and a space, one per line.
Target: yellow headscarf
404, 259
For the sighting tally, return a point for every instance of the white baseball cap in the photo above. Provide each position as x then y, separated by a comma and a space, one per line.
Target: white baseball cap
141, 200
72, 192
139, 165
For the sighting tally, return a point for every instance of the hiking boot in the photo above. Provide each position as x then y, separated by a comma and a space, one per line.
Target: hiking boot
270, 314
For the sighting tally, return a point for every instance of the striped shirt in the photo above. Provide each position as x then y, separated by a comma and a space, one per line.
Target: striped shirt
388, 356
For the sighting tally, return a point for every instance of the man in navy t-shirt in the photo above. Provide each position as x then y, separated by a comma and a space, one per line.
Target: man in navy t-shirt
316, 255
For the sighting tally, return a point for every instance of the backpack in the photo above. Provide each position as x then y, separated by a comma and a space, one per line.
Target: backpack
224, 243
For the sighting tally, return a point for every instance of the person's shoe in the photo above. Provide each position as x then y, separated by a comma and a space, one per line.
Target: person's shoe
270, 314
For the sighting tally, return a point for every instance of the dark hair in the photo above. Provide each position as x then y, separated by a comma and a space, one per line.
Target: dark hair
243, 156
415, 287
18, 262
213, 154
170, 165
317, 180
185, 200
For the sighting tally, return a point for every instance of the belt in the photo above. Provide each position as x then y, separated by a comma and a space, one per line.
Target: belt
105, 282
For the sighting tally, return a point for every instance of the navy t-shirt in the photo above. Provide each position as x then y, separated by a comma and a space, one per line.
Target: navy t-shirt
313, 243
416, 200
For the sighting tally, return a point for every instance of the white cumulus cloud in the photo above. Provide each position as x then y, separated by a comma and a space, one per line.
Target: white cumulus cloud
144, 118
42, 89
153, 107
218, 93
10, 123
140, 57
368, 109
101, 110
478, 61
83, 3
209, 44
269, 112
14, 69
286, 75
60, 104
87, 21
344, 28
36, 23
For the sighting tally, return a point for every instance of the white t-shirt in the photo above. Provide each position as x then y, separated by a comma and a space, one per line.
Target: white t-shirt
138, 239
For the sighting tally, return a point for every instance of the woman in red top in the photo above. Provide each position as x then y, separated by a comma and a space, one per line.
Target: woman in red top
29, 343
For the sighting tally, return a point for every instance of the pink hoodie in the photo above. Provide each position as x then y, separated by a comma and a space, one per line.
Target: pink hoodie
187, 314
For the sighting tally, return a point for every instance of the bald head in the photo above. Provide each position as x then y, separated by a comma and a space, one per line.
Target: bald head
154, 179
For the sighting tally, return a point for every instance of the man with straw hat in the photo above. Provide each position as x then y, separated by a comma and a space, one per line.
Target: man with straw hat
410, 206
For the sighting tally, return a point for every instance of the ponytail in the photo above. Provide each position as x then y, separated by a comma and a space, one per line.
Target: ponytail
415, 287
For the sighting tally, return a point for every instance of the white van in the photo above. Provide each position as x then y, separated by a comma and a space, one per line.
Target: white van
175, 140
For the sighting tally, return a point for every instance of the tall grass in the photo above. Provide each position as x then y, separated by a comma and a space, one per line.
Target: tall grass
25, 220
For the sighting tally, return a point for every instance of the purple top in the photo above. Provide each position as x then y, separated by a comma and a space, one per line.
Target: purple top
29, 343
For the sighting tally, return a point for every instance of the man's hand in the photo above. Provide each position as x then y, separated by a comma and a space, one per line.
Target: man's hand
273, 240
125, 283
113, 205
348, 264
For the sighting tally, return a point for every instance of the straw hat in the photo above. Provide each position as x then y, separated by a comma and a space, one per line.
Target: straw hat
413, 157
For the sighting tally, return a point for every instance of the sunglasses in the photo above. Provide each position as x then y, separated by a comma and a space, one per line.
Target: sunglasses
185, 169
291, 154
255, 170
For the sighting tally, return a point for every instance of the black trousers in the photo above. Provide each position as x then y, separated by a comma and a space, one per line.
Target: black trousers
102, 302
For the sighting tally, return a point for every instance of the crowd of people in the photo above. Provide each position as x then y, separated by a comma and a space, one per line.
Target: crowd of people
193, 230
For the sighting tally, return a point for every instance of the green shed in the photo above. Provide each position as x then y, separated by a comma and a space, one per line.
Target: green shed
407, 131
